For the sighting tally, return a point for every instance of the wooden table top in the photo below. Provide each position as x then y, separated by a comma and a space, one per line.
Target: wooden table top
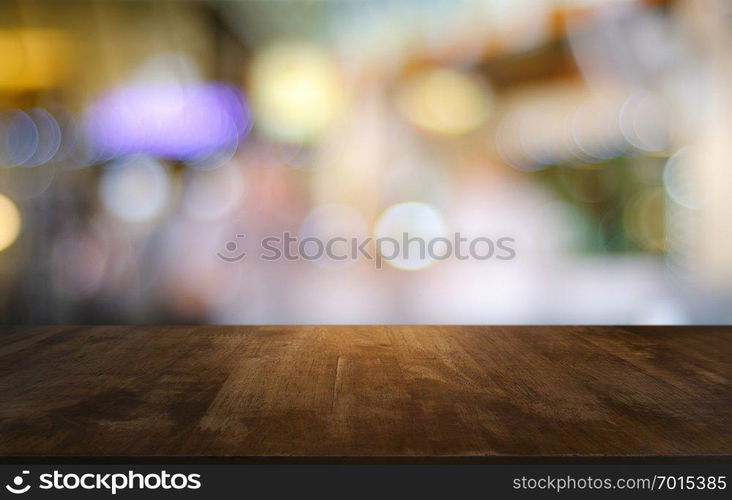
365, 391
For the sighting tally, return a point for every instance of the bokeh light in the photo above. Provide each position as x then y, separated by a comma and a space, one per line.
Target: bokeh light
10, 222
297, 90
168, 120
136, 189
678, 179
21, 138
645, 122
444, 101
34, 59
644, 219
49, 137
420, 222
594, 132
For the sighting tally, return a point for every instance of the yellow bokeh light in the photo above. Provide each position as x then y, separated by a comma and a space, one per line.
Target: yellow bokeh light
34, 59
444, 101
296, 90
9, 222
644, 219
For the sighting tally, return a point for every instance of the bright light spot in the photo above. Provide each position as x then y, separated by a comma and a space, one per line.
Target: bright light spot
444, 101
135, 190
416, 220
168, 120
296, 89
10, 222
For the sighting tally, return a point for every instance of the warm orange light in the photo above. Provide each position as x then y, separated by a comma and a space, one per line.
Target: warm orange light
444, 101
10, 222
33, 59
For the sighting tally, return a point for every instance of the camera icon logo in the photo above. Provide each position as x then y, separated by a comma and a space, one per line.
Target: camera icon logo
17, 484
232, 254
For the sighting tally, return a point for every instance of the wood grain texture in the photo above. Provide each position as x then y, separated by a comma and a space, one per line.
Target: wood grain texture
365, 391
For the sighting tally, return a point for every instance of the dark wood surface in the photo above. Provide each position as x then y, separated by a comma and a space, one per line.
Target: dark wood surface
365, 391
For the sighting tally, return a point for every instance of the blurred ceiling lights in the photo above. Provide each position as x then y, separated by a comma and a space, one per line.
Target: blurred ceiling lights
444, 101
296, 90
169, 120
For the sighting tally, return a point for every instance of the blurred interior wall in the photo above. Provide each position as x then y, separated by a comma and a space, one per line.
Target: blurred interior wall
708, 244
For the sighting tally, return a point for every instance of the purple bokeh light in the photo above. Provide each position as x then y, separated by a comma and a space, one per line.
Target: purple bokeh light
172, 121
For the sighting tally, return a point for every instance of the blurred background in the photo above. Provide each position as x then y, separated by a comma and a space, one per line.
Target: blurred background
139, 138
